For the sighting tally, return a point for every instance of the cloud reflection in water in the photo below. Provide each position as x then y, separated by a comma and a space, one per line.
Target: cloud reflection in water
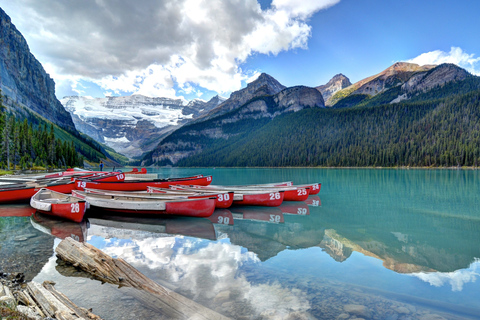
457, 279
209, 270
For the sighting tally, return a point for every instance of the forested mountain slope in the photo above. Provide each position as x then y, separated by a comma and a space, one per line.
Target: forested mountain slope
418, 116
27, 92
234, 119
440, 132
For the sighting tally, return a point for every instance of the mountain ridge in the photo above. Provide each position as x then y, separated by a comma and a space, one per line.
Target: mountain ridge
396, 74
242, 138
263, 85
23, 80
232, 119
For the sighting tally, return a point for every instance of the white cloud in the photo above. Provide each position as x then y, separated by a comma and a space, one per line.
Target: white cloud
456, 56
302, 9
161, 45
456, 279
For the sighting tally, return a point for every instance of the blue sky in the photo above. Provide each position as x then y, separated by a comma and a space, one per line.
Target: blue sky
199, 48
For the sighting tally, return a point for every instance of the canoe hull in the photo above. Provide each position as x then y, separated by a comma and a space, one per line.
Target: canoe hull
297, 194
271, 199
64, 206
202, 207
172, 209
224, 199
17, 195
315, 188
24, 194
139, 185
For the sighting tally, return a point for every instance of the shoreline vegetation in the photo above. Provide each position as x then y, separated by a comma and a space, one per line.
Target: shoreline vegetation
44, 170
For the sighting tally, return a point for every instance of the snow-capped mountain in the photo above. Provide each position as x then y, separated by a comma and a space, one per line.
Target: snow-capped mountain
132, 125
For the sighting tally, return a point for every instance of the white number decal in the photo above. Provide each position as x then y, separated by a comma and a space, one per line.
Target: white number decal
223, 197
274, 218
302, 211
81, 184
302, 192
223, 220
209, 178
75, 237
315, 186
120, 176
274, 196
75, 207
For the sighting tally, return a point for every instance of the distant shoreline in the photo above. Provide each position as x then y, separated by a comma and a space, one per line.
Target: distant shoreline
399, 167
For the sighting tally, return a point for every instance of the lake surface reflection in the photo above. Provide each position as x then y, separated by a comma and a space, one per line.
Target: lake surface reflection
374, 244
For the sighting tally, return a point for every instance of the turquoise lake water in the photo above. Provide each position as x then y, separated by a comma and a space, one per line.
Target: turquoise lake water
374, 244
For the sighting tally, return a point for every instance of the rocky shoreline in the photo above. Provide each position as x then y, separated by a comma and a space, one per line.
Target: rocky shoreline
20, 300
10, 285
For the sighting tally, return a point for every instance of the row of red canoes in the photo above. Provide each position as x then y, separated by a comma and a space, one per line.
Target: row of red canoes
23, 189
69, 196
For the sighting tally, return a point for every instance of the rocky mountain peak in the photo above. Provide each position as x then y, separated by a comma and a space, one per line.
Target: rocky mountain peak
439, 75
337, 83
271, 84
263, 85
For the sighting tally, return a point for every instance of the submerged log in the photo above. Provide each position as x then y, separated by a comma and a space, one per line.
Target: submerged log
119, 272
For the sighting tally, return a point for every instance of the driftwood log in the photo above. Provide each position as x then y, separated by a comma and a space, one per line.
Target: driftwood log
43, 300
117, 271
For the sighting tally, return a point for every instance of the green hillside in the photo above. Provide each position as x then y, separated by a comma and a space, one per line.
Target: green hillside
442, 130
28, 139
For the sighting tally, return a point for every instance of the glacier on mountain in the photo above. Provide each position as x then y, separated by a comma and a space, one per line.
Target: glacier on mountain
132, 125
130, 109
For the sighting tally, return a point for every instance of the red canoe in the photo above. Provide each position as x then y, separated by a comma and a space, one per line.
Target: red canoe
23, 192
59, 205
224, 199
140, 185
106, 177
295, 193
291, 193
314, 188
203, 207
252, 197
